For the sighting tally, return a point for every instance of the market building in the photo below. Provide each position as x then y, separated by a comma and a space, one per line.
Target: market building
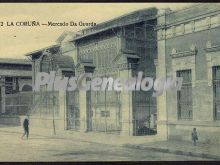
118, 48
49, 107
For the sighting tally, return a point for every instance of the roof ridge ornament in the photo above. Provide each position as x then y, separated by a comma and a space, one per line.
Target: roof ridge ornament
46, 52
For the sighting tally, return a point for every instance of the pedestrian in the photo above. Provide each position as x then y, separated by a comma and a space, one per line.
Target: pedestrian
194, 136
26, 127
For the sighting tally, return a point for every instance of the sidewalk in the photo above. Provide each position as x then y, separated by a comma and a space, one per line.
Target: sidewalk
153, 143
94, 137
209, 151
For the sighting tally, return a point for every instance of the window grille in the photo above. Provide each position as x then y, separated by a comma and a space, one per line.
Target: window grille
216, 92
184, 96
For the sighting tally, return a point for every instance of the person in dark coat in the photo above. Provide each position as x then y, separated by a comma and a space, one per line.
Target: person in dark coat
26, 127
194, 136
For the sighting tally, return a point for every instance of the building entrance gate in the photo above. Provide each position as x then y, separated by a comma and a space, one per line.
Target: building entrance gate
104, 110
73, 113
105, 114
144, 113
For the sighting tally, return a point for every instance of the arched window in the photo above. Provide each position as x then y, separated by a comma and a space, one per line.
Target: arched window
46, 64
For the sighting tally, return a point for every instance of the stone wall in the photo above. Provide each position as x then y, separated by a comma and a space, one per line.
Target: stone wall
189, 51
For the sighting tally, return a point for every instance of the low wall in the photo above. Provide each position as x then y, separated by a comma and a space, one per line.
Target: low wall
206, 133
8, 120
46, 123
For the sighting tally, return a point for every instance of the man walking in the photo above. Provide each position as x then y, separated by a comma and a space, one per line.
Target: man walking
194, 136
26, 127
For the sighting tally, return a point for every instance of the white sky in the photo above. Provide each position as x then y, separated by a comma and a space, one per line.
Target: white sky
16, 41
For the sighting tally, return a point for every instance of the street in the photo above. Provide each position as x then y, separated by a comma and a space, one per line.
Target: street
39, 148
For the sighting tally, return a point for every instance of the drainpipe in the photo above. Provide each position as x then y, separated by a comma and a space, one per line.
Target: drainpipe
166, 76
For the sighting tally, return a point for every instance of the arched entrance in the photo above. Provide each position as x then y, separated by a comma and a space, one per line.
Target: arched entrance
26, 88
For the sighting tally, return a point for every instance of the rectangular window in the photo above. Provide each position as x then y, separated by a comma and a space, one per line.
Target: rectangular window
8, 85
216, 92
105, 114
129, 31
184, 96
139, 33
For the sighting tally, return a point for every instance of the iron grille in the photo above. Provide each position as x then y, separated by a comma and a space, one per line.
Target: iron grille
184, 97
216, 92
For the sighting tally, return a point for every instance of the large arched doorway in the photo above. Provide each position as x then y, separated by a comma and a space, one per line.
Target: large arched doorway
46, 64
26, 88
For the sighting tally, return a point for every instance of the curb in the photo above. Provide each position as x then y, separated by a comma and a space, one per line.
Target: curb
162, 150
67, 138
177, 152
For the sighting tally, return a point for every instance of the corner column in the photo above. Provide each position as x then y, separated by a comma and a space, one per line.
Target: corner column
126, 106
83, 109
62, 110
162, 114
85, 67
2, 95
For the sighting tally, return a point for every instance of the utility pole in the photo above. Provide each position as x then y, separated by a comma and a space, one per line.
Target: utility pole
130, 113
105, 109
53, 97
54, 129
149, 113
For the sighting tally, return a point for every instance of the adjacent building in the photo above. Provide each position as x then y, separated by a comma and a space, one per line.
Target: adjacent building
15, 78
188, 47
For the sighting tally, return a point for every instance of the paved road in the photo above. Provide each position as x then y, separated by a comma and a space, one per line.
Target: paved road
38, 148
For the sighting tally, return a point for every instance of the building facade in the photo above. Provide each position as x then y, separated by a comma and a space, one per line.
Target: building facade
15, 78
49, 107
188, 47
159, 43
118, 48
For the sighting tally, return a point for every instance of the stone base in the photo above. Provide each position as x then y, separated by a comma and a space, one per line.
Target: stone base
7, 120
206, 133
47, 123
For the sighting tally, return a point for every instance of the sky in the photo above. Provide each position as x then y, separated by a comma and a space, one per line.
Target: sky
16, 41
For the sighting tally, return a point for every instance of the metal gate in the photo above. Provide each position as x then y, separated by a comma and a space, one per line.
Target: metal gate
0, 98
73, 112
18, 104
42, 104
144, 113
104, 110
106, 115
45, 104
216, 92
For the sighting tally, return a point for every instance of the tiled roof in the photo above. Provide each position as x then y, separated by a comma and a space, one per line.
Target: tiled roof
191, 12
15, 61
63, 61
134, 17
42, 49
